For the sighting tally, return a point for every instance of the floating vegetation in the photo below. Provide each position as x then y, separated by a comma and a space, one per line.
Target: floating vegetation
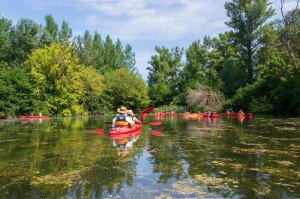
285, 163
204, 186
262, 190
235, 166
265, 151
64, 179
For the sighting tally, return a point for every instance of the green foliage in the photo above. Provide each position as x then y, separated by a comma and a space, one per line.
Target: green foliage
247, 18
56, 79
65, 33
50, 31
125, 89
163, 74
262, 106
15, 92
233, 77
129, 58
193, 72
269, 92
25, 37
288, 33
243, 96
92, 86
5, 29
104, 55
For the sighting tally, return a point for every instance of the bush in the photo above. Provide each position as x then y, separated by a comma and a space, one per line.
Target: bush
261, 106
205, 98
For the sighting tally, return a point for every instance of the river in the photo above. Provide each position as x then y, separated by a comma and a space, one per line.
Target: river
182, 158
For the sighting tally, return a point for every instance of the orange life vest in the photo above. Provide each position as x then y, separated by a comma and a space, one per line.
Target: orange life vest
121, 120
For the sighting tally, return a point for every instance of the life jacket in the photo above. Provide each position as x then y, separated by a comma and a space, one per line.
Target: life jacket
121, 120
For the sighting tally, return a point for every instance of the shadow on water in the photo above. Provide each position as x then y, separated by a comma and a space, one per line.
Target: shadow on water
195, 157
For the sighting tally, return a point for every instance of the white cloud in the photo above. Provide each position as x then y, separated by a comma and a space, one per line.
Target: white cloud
161, 20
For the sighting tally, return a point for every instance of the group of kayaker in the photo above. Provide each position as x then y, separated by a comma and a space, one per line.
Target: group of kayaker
124, 118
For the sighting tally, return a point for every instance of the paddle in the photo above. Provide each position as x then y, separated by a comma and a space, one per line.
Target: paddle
101, 131
151, 123
156, 133
147, 110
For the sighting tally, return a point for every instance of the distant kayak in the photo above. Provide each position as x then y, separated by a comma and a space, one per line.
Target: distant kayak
33, 117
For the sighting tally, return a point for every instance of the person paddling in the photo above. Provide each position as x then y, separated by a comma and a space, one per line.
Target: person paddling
241, 113
131, 115
122, 119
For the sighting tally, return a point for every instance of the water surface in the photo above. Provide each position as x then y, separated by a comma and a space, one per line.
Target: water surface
187, 158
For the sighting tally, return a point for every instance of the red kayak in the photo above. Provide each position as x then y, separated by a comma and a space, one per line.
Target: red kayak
214, 115
34, 117
125, 130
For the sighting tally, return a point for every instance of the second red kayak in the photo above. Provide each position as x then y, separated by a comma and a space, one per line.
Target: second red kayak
34, 117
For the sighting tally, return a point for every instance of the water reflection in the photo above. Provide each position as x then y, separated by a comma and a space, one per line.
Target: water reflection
195, 158
124, 143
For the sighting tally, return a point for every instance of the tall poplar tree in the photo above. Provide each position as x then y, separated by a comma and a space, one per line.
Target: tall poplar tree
247, 17
130, 60
163, 74
25, 37
65, 33
50, 32
5, 29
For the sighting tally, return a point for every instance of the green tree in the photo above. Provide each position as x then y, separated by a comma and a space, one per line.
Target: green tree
55, 71
164, 74
120, 59
93, 87
50, 31
232, 77
289, 33
15, 92
129, 57
5, 30
272, 91
98, 53
25, 37
193, 72
226, 63
247, 17
65, 33
126, 89
110, 54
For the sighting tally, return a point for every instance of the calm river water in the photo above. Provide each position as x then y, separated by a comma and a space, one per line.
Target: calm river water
182, 158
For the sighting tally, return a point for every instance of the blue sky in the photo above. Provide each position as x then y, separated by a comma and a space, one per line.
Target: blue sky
143, 24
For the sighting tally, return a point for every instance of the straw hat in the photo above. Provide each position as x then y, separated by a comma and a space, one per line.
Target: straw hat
122, 110
129, 112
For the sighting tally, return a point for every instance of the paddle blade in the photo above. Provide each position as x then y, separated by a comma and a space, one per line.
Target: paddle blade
108, 122
155, 123
99, 131
156, 133
147, 110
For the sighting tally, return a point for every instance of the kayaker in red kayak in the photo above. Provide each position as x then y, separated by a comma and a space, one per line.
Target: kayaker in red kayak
131, 115
122, 119
241, 113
